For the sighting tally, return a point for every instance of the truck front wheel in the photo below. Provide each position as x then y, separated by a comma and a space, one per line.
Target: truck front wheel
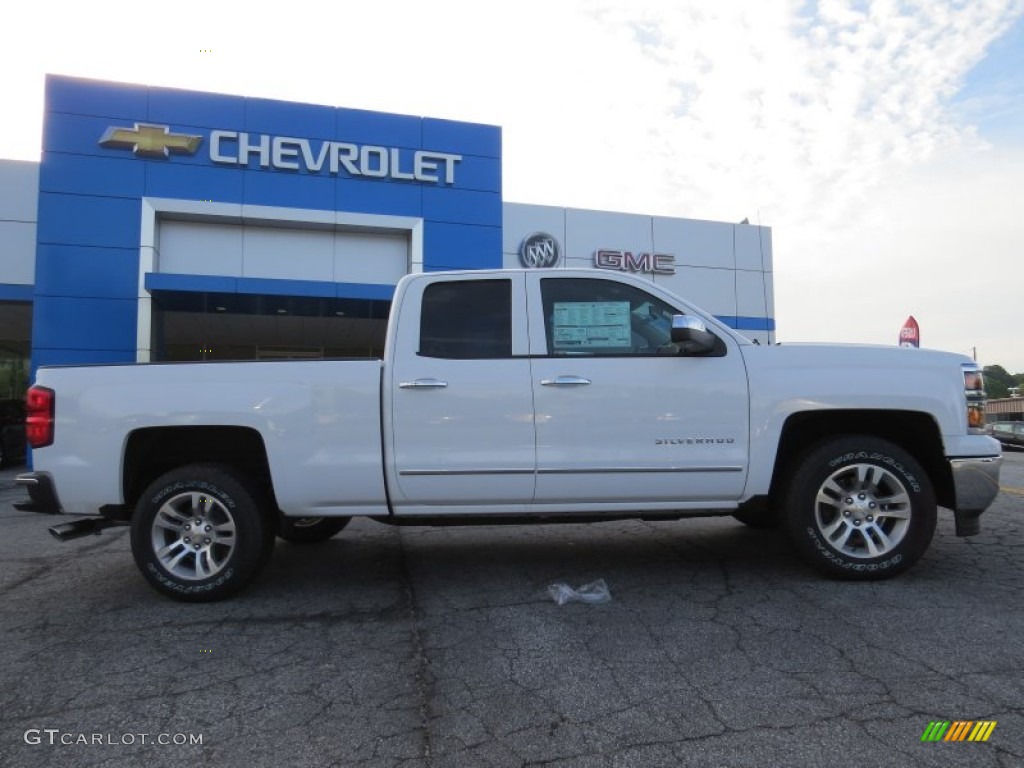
200, 534
860, 507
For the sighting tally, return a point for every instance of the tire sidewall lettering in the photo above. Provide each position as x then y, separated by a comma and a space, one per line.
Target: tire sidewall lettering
159, 574
878, 458
829, 553
201, 486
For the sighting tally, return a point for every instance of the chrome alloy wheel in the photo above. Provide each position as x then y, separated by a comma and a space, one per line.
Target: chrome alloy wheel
193, 536
863, 510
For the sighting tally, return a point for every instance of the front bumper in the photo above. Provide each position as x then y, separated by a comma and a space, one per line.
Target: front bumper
976, 484
42, 494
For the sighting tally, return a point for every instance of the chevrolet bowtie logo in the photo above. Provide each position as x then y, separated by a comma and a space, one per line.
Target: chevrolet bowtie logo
148, 140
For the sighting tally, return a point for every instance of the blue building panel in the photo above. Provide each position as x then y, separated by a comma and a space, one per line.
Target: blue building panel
478, 173
79, 96
374, 291
461, 206
360, 126
75, 322
754, 323
166, 281
74, 270
206, 110
16, 292
79, 134
187, 182
88, 220
91, 175
280, 118
260, 286
461, 138
390, 198
460, 246
288, 189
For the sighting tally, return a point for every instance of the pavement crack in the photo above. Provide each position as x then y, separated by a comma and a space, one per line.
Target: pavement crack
423, 678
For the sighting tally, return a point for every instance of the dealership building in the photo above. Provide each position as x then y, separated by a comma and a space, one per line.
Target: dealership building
164, 224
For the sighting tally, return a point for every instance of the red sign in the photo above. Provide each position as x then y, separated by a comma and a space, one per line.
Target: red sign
910, 333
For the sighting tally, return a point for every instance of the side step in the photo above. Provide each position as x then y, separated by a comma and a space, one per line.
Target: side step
89, 526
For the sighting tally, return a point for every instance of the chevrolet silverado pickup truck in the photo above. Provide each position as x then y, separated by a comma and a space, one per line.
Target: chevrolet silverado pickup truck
523, 396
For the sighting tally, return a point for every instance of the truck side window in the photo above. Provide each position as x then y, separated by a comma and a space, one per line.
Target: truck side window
592, 317
466, 320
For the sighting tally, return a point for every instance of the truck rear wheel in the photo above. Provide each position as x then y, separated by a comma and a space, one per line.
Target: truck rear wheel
860, 507
199, 533
309, 530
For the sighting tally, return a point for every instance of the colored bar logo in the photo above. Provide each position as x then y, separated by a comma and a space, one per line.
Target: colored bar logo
958, 730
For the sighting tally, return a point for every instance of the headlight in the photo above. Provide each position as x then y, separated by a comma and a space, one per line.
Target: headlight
974, 389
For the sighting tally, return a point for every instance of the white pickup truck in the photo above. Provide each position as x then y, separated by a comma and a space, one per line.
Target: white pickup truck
545, 396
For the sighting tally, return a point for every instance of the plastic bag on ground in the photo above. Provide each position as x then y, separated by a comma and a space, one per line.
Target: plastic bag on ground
594, 592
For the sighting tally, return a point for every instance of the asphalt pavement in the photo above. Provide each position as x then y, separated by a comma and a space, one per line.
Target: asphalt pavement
441, 647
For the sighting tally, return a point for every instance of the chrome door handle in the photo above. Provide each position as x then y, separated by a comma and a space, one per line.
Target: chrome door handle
565, 381
423, 384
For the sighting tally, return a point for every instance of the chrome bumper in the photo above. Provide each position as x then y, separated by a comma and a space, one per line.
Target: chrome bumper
976, 484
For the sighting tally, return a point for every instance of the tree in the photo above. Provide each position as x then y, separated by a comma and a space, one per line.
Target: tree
998, 381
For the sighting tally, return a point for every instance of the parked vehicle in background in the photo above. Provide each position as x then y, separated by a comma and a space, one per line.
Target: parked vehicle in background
544, 395
1010, 434
12, 432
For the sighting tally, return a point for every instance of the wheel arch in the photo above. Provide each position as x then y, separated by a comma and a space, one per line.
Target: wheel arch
150, 452
915, 432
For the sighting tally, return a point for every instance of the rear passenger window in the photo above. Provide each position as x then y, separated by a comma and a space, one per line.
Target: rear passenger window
467, 320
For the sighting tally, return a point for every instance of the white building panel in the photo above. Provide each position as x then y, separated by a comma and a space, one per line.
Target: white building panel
17, 252
713, 290
752, 244
281, 253
520, 221
370, 258
695, 243
589, 231
751, 300
199, 248
288, 254
19, 191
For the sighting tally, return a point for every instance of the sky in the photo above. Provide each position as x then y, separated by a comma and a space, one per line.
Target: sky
881, 140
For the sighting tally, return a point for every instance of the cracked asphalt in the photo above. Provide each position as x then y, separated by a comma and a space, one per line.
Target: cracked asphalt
440, 647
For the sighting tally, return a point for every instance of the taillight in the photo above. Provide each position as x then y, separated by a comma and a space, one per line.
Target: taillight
974, 389
39, 408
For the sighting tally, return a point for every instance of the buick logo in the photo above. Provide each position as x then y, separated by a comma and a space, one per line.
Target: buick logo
539, 251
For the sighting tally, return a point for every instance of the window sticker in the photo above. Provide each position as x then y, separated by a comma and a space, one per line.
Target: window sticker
591, 325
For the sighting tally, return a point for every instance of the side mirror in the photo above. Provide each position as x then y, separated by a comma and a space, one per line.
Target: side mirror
692, 336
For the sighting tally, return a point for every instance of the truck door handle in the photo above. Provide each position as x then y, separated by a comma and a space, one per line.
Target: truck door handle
423, 384
565, 381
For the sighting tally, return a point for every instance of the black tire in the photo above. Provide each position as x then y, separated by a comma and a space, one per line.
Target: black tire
860, 508
309, 530
200, 533
761, 519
